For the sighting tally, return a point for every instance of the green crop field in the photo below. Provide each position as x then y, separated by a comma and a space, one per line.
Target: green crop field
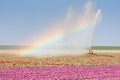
106, 47
93, 47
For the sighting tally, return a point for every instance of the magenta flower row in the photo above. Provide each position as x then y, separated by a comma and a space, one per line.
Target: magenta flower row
62, 73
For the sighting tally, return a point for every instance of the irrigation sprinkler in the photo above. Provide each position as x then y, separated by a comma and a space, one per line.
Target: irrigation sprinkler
90, 44
90, 51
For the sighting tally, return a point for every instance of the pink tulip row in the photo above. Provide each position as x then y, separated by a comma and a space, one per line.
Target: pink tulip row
62, 73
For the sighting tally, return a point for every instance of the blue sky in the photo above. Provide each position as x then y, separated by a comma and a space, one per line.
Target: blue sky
20, 19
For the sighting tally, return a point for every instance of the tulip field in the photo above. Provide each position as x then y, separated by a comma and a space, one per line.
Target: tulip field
85, 67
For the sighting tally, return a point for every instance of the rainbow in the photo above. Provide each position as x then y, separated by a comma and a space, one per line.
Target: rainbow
51, 38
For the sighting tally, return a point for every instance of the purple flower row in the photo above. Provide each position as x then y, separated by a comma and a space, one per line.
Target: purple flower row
62, 73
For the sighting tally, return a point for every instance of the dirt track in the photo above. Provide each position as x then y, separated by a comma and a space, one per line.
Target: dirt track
100, 52
107, 52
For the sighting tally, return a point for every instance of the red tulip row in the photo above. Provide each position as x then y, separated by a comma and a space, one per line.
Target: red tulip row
12, 62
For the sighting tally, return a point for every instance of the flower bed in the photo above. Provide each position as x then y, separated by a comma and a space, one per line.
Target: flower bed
87, 60
62, 73
87, 67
